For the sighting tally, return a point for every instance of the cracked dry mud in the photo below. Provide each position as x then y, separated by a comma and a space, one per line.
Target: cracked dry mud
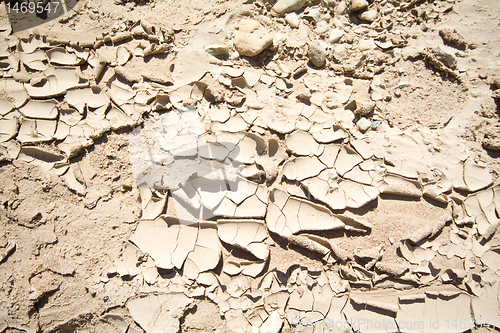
259, 166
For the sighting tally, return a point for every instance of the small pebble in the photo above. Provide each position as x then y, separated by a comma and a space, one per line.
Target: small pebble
292, 19
321, 27
317, 53
369, 15
363, 124
313, 14
335, 35
355, 5
366, 44
285, 6
217, 49
329, 3
376, 124
251, 38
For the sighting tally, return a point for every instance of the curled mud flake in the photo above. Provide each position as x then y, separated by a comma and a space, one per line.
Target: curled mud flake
154, 312
61, 56
302, 143
476, 177
301, 168
298, 215
346, 160
358, 195
246, 234
58, 81
8, 129
400, 186
40, 110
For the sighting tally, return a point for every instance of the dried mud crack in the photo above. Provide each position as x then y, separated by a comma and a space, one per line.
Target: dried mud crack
267, 166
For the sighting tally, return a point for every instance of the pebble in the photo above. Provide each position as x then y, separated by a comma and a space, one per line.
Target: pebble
376, 124
217, 49
312, 14
369, 15
364, 124
366, 44
335, 35
329, 3
321, 27
365, 108
285, 6
317, 53
447, 58
292, 19
252, 38
355, 5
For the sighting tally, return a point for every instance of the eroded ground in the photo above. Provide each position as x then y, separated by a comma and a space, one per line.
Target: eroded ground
251, 167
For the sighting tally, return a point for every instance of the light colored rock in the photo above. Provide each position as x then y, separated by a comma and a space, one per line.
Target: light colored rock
363, 124
369, 15
252, 38
355, 5
285, 6
321, 27
446, 57
317, 53
335, 35
217, 49
312, 14
366, 44
292, 19
329, 3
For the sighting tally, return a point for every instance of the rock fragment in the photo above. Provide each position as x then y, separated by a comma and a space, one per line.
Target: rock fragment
369, 15
317, 53
446, 57
292, 19
356, 5
335, 35
251, 38
453, 38
363, 124
285, 6
217, 49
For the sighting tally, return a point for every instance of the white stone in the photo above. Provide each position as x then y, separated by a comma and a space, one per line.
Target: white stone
217, 49
335, 35
292, 19
313, 14
366, 44
369, 15
355, 5
363, 124
252, 38
321, 27
317, 53
285, 6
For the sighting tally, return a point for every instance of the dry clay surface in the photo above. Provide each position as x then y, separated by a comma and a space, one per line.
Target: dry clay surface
221, 166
